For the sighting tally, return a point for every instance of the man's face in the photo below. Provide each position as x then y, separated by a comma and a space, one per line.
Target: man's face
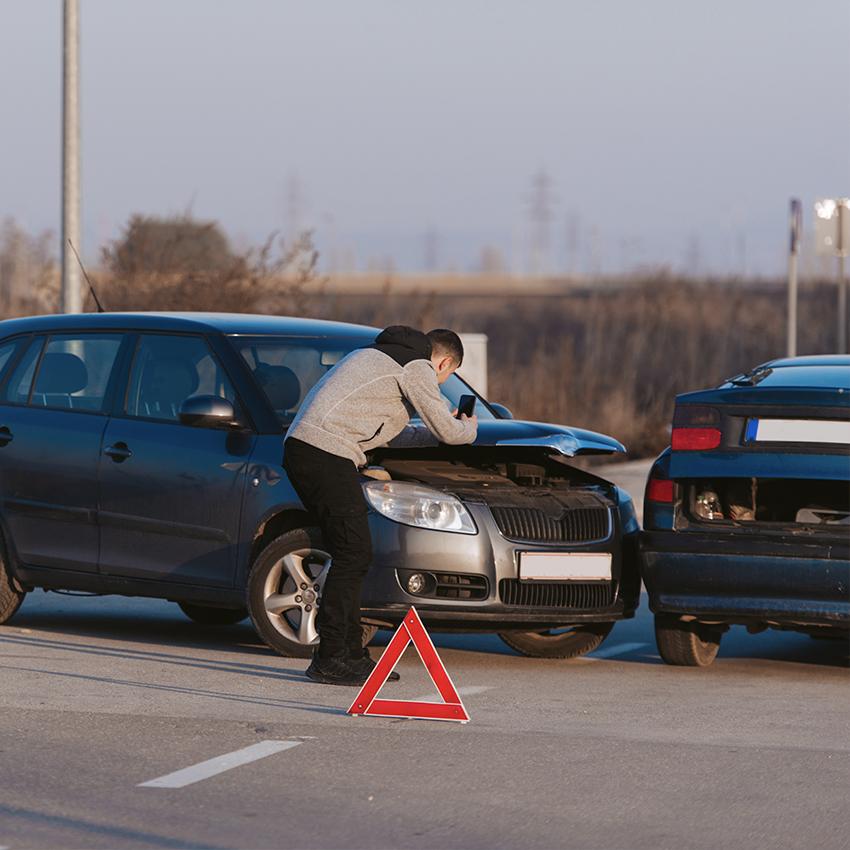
444, 366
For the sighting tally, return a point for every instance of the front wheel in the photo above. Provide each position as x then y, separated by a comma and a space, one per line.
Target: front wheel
685, 644
285, 591
569, 642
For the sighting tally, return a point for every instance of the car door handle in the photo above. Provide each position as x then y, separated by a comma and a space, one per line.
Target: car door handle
6, 436
118, 452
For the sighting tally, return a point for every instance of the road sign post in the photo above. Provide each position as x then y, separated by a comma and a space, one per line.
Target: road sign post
832, 236
793, 252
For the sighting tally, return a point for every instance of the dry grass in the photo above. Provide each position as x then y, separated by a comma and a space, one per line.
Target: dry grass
610, 359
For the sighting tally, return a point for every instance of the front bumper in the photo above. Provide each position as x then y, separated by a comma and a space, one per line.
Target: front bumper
747, 578
490, 555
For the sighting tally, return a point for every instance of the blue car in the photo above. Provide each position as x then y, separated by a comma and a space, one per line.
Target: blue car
747, 513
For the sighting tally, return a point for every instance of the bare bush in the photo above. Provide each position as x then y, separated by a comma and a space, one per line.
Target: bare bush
272, 278
151, 245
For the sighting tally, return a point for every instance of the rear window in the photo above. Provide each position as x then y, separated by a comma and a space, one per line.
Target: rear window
807, 376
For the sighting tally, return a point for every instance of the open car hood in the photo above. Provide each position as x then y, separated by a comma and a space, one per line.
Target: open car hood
559, 438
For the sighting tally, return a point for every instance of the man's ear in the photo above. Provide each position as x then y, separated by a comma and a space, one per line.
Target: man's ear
446, 364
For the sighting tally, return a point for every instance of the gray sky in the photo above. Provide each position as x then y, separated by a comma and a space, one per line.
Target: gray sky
674, 131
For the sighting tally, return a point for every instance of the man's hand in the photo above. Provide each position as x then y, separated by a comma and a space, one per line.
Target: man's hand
473, 419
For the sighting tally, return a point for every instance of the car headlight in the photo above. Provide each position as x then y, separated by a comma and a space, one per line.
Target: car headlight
707, 505
411, 504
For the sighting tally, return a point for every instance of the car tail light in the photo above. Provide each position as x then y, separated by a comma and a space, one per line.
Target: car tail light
660, 490
695, 428
694, 439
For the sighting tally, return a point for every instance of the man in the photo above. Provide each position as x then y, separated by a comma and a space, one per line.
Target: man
364, 402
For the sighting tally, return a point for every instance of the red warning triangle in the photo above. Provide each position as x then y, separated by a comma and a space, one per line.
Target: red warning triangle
411, 629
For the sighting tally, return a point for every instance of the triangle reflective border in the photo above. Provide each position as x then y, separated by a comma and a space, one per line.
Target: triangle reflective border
410, 630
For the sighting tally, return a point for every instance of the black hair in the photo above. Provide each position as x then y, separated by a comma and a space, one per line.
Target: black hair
446, 342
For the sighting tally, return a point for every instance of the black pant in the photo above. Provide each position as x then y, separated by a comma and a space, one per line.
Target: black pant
329, 487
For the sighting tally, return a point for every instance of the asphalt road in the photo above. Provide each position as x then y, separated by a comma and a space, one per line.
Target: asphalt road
111, 705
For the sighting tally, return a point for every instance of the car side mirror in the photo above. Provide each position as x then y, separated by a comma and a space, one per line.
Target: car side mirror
208, 411
501, 411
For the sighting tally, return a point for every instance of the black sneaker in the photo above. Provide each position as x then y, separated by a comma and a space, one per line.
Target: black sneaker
365, 665
335, 670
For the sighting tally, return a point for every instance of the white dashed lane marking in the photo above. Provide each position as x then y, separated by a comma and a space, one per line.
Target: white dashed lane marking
613, 651
219, 764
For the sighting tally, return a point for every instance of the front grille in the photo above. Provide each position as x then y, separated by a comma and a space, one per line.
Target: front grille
576, 525
557, 594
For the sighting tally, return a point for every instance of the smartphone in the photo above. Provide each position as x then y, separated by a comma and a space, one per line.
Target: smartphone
466, 406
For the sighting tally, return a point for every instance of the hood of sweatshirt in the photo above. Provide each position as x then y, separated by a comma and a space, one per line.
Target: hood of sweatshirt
403, 344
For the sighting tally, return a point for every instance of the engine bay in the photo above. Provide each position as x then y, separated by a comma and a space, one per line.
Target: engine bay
518, 478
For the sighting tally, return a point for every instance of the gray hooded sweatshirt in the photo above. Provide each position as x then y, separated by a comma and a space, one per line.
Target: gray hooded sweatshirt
367, 400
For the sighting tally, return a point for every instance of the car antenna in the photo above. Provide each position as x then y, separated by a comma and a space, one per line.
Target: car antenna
88, 279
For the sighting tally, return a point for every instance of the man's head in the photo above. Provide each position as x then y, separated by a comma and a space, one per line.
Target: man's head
446, 352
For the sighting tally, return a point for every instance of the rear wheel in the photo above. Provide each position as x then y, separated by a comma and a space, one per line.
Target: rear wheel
565, 642
10, 596
211, 616
685, 644
285, 591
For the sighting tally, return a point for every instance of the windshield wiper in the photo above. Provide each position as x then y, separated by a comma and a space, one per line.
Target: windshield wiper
751, 378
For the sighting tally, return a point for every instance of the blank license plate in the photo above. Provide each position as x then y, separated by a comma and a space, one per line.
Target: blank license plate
562, 566
798, 431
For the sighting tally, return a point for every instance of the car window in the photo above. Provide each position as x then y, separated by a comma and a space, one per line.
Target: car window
804, 376
454, 388
169, 369
73, 372
6, 353
287, 368
18, 386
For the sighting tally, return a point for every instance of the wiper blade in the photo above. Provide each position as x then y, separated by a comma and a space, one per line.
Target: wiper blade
751, 378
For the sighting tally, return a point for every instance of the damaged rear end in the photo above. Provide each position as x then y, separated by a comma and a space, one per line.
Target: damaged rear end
747, 514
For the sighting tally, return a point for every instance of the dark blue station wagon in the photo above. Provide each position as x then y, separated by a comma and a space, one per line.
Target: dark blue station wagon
141, 454
747, 514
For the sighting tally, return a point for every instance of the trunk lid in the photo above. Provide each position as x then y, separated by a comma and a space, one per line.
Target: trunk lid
743, 453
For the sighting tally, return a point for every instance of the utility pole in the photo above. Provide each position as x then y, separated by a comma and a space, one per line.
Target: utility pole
841, 249
71, 299
793, 252
540, 218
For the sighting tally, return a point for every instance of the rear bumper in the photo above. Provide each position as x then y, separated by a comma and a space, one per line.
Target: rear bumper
747, 579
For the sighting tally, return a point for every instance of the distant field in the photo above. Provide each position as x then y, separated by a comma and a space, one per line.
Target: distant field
609, 358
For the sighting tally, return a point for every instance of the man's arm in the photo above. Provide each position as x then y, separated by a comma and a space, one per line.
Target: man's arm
420, 387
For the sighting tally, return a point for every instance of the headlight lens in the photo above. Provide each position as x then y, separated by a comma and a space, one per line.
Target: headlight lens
411, 504
707, 505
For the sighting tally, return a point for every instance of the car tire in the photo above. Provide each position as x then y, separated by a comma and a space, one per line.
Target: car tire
278, 576
579, 640
11, 596
206, 615
685, 644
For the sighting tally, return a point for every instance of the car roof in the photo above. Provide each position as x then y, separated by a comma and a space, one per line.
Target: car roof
227, 323
811, 360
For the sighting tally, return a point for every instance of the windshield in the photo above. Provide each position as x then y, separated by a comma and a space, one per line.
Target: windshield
287, 368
